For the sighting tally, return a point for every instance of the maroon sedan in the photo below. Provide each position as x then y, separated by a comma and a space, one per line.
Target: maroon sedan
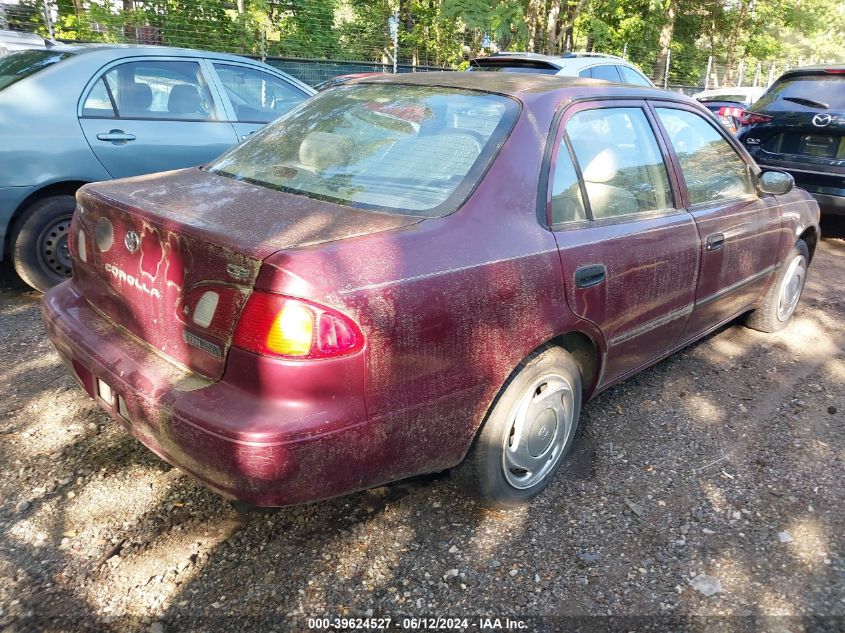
418, 273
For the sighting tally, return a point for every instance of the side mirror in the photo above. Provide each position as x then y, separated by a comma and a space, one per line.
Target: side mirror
775, 183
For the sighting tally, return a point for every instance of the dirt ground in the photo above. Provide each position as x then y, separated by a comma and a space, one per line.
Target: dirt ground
718, 471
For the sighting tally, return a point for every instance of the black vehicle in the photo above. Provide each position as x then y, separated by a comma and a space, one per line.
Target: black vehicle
799, 126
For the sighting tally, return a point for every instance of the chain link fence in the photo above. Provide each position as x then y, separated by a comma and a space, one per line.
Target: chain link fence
315, 40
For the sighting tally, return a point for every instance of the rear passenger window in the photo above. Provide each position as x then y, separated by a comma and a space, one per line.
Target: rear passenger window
712, 169
567, 203
152, 90
620, 161
607, 72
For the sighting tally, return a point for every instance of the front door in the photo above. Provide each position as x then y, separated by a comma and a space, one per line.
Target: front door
740, 231
256, 97
154, 115
629, 253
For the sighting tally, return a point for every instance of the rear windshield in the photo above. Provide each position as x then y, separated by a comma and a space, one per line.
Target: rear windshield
824, 89
22, 64
414, 150
533, 67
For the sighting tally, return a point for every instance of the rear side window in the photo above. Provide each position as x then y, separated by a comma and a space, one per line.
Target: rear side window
23, 64
799, 93
620, 162
257, 96
414, 150
712, 169
151, 90
567, 202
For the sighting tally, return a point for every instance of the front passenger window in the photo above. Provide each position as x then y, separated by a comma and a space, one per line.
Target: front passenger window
712, 169
258, 97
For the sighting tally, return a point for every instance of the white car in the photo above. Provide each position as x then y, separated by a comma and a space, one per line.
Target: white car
11, 41
729, 104
744, 94
593, 65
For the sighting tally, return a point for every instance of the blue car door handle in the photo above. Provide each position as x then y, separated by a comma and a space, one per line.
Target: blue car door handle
116, 136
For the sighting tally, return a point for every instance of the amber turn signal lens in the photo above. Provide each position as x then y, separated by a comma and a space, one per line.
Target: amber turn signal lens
286, 327
292, 332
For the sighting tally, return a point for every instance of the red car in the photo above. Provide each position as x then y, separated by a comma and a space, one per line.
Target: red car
417, 273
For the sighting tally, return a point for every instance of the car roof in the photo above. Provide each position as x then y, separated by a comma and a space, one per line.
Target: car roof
117, 51
516, 84
815, 70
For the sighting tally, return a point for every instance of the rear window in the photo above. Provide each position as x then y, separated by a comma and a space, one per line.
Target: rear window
414, 150
822, 88
22, 64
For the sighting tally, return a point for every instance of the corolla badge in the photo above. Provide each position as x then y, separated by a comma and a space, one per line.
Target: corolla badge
135, 282
132, 241
821, 120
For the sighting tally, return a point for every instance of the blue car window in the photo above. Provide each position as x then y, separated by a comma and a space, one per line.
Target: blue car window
152, 90
258, 97
99, 103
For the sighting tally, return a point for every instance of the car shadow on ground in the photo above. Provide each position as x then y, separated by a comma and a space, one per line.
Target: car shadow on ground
698, 465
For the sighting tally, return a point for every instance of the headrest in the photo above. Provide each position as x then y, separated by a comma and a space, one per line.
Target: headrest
602, 167
324, 150
184, 99
136, 97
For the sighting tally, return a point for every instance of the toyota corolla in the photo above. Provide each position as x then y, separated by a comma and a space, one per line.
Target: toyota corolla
411, 274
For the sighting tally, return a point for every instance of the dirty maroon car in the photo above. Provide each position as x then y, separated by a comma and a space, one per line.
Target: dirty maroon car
408, 275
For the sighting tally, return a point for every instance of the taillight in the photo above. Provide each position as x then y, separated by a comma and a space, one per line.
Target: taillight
731, 111
752, 117
284, 327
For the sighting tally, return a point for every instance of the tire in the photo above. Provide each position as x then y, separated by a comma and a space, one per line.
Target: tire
39, 244
782, 298
493, 470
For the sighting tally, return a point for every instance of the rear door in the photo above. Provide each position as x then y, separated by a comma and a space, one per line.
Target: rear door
254, 97
629, 251
150, 115
740, 231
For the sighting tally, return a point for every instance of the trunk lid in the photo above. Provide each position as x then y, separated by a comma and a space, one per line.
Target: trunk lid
172, 258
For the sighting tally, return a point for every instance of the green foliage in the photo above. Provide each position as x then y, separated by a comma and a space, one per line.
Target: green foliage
446, 32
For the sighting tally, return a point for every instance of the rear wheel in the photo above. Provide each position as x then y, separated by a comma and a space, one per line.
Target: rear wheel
528, 433
40, 251
782, 298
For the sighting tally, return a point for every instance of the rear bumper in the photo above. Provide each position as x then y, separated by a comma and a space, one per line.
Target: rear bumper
828, 188
830, 205
268, 451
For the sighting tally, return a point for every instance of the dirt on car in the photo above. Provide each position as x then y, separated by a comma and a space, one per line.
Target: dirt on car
705, 491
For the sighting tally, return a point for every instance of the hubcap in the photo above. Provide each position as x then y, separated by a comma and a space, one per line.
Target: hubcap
538, 428
793, 284
53, 249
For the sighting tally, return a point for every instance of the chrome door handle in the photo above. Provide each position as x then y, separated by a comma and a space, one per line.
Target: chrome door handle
116, 136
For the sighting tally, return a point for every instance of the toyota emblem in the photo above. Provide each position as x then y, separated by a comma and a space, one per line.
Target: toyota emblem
821, 120
132, 241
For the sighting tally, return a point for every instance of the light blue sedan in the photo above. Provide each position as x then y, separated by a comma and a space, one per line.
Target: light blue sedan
70, 115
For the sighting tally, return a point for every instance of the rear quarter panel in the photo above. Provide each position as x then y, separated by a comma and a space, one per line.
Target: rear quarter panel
41, 140
800, 212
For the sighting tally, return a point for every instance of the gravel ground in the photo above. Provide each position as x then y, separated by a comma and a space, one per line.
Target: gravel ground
718, 471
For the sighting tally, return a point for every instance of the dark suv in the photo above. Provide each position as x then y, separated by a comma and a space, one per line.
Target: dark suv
799, 126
